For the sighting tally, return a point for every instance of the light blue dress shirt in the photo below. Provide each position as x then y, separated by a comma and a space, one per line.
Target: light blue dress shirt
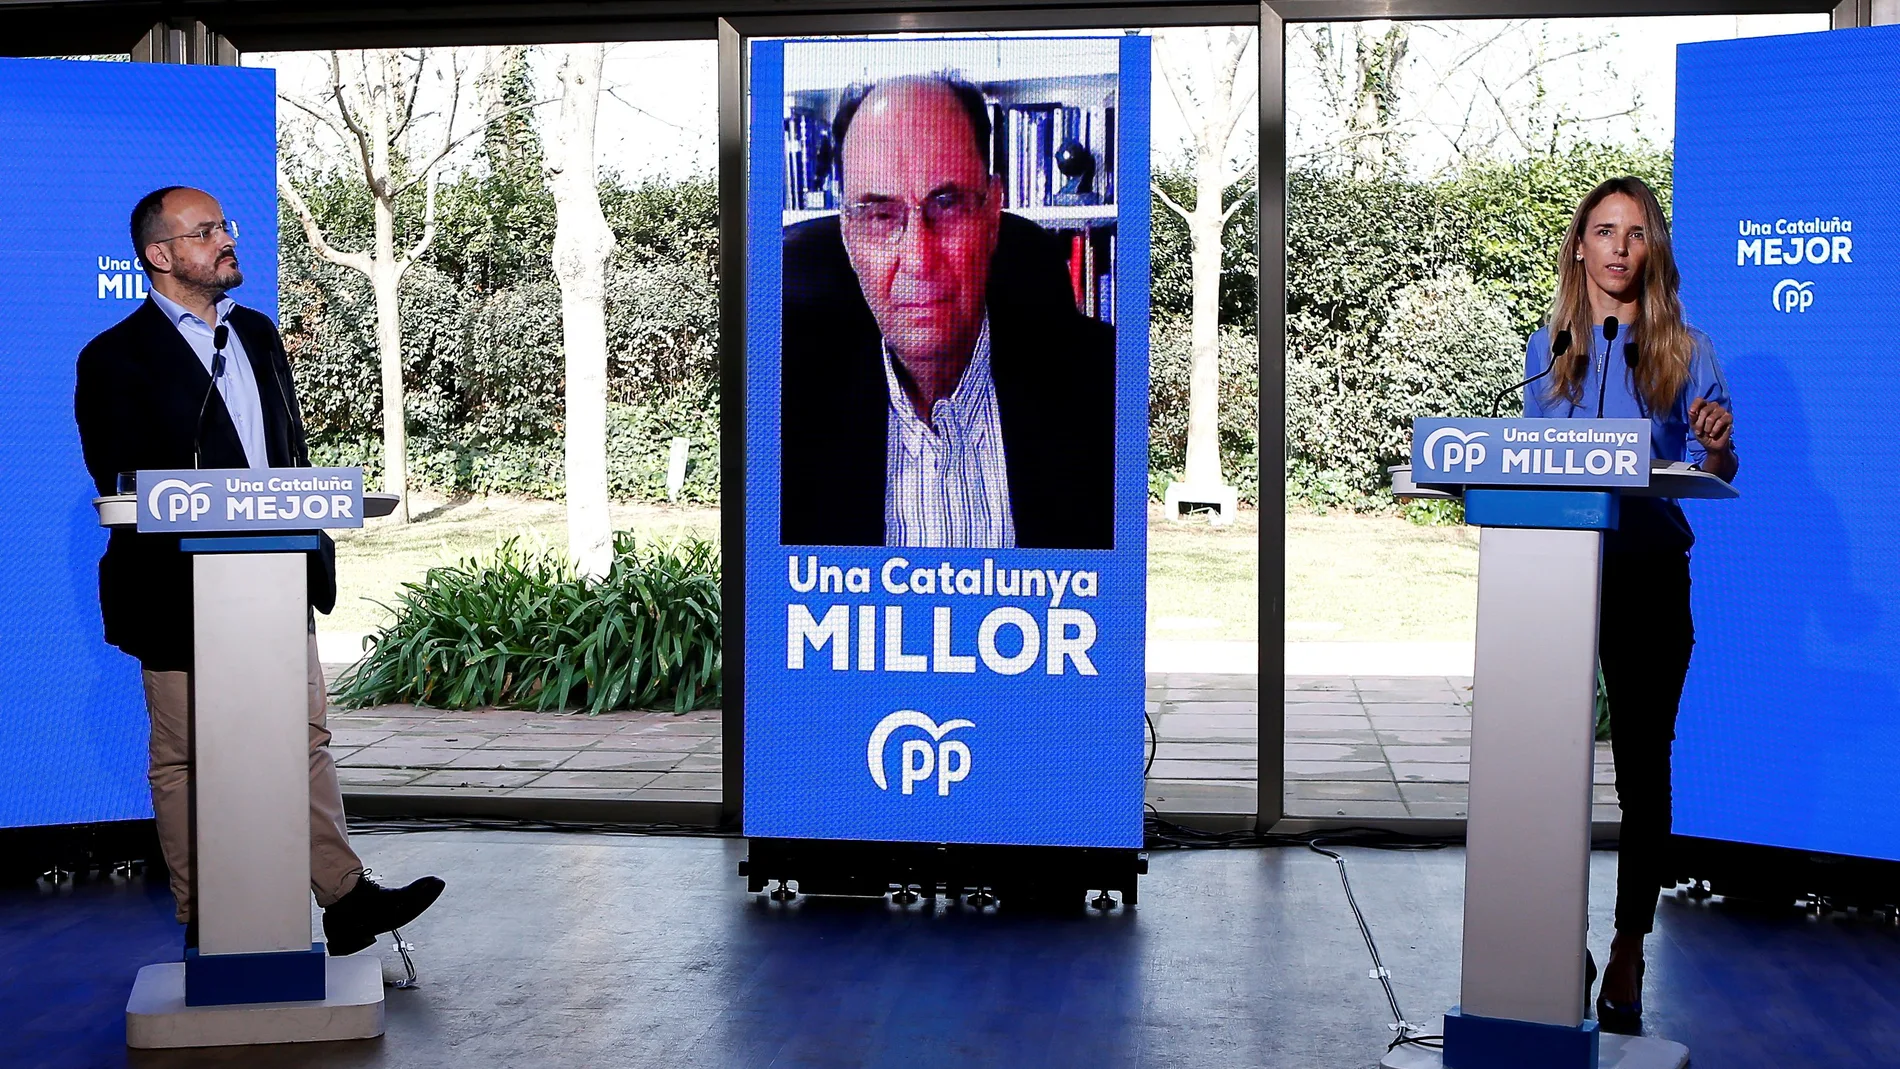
1648, 523
238, 385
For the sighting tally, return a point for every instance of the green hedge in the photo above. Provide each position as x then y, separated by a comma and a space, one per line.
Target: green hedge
639, 447
1168, 359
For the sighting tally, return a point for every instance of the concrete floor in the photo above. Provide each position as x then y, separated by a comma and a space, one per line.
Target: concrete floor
581, 950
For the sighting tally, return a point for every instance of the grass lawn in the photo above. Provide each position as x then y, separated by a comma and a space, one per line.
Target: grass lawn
1349, 578
1353, 578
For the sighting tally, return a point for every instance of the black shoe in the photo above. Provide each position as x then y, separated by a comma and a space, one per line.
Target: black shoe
1622, 1018
1589, 975
191, 934
355, 920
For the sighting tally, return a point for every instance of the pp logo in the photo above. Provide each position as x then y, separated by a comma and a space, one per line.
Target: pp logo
175, 498
949, 761
1466, 451
1792, 296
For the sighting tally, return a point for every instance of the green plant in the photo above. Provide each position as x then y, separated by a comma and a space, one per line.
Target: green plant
523, 630
1603, 706
1435, 512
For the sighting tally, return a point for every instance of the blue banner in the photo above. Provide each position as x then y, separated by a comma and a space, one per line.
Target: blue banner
945, 611
1788, 235
1530, 452
84, 141
203, 500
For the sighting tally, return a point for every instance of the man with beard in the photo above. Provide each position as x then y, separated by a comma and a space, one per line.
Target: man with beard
192, 379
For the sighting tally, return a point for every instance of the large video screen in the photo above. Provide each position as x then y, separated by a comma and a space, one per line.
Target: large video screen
1787, 227
946, 440
83, 142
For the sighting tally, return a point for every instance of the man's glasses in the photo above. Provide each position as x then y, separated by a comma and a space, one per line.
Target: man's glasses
885, 221
203, 233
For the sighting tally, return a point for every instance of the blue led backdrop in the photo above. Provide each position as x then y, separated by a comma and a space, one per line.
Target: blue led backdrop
84, 141
1788, 231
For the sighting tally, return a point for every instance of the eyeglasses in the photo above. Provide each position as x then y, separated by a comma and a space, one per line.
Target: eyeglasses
203, 233
885, 221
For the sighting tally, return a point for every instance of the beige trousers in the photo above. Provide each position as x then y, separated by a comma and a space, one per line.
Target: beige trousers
334, 867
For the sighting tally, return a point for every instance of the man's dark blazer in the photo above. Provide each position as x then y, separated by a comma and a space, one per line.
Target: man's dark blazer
139, 389
1054, 370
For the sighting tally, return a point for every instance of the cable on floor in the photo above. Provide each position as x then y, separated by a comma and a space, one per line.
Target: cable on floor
1408, 1033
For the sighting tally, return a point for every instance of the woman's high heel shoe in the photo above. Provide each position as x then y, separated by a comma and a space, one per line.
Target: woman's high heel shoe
1622, 1018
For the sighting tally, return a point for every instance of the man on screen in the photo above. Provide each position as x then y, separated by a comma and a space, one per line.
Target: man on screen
939, 386
193, 379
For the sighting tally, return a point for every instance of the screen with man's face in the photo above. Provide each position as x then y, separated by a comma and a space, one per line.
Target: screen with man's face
946, 440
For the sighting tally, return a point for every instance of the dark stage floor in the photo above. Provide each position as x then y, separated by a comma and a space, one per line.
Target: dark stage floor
571, 950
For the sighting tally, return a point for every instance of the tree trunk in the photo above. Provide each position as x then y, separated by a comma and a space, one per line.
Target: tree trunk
385, 282
1205, 224
582, 243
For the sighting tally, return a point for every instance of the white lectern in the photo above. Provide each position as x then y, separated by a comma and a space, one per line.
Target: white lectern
256, 976
1533, 719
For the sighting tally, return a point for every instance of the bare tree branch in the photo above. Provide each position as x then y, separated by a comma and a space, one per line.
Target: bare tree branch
355, 261
349, 119
323, 117
423, 170
413, 94
428, 229
1170, 202
614, 91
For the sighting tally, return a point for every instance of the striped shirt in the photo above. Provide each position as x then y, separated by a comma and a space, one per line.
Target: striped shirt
945, 481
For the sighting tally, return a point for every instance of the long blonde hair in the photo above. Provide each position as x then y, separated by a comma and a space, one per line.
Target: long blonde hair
1663, 344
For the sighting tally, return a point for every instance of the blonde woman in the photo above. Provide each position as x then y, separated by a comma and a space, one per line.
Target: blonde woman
1616, 264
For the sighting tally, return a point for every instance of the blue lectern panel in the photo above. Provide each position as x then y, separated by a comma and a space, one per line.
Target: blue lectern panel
1788, 229
947, 694
80, 143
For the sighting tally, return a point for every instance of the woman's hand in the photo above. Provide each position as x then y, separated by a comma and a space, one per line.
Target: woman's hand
1712, 424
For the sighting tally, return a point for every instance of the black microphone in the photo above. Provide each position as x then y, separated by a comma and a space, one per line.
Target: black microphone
218, 338
1557, 349
1630, 354
1603, 376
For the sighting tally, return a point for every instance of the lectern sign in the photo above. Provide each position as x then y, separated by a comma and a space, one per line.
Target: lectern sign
189, 500
1531, 452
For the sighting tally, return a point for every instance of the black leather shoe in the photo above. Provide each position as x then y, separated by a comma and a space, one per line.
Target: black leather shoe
355, 920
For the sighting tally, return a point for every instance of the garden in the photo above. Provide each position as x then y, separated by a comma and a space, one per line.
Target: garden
1407, 297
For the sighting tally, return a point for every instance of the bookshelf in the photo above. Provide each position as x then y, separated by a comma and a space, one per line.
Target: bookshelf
1032, 115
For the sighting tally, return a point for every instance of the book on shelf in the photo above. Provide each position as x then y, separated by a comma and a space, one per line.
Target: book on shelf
1025, 139
1091, 265
808, 183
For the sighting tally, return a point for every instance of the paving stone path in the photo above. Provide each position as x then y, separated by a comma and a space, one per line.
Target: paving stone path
1371, 747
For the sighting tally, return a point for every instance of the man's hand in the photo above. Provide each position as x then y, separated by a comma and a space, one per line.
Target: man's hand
1712, 425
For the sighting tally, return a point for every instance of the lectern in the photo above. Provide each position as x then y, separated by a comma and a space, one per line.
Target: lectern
1543, 492
256, 975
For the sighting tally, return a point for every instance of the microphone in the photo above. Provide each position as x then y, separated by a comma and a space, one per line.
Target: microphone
218, 338
1603, 375
1557, 349
1630, 355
